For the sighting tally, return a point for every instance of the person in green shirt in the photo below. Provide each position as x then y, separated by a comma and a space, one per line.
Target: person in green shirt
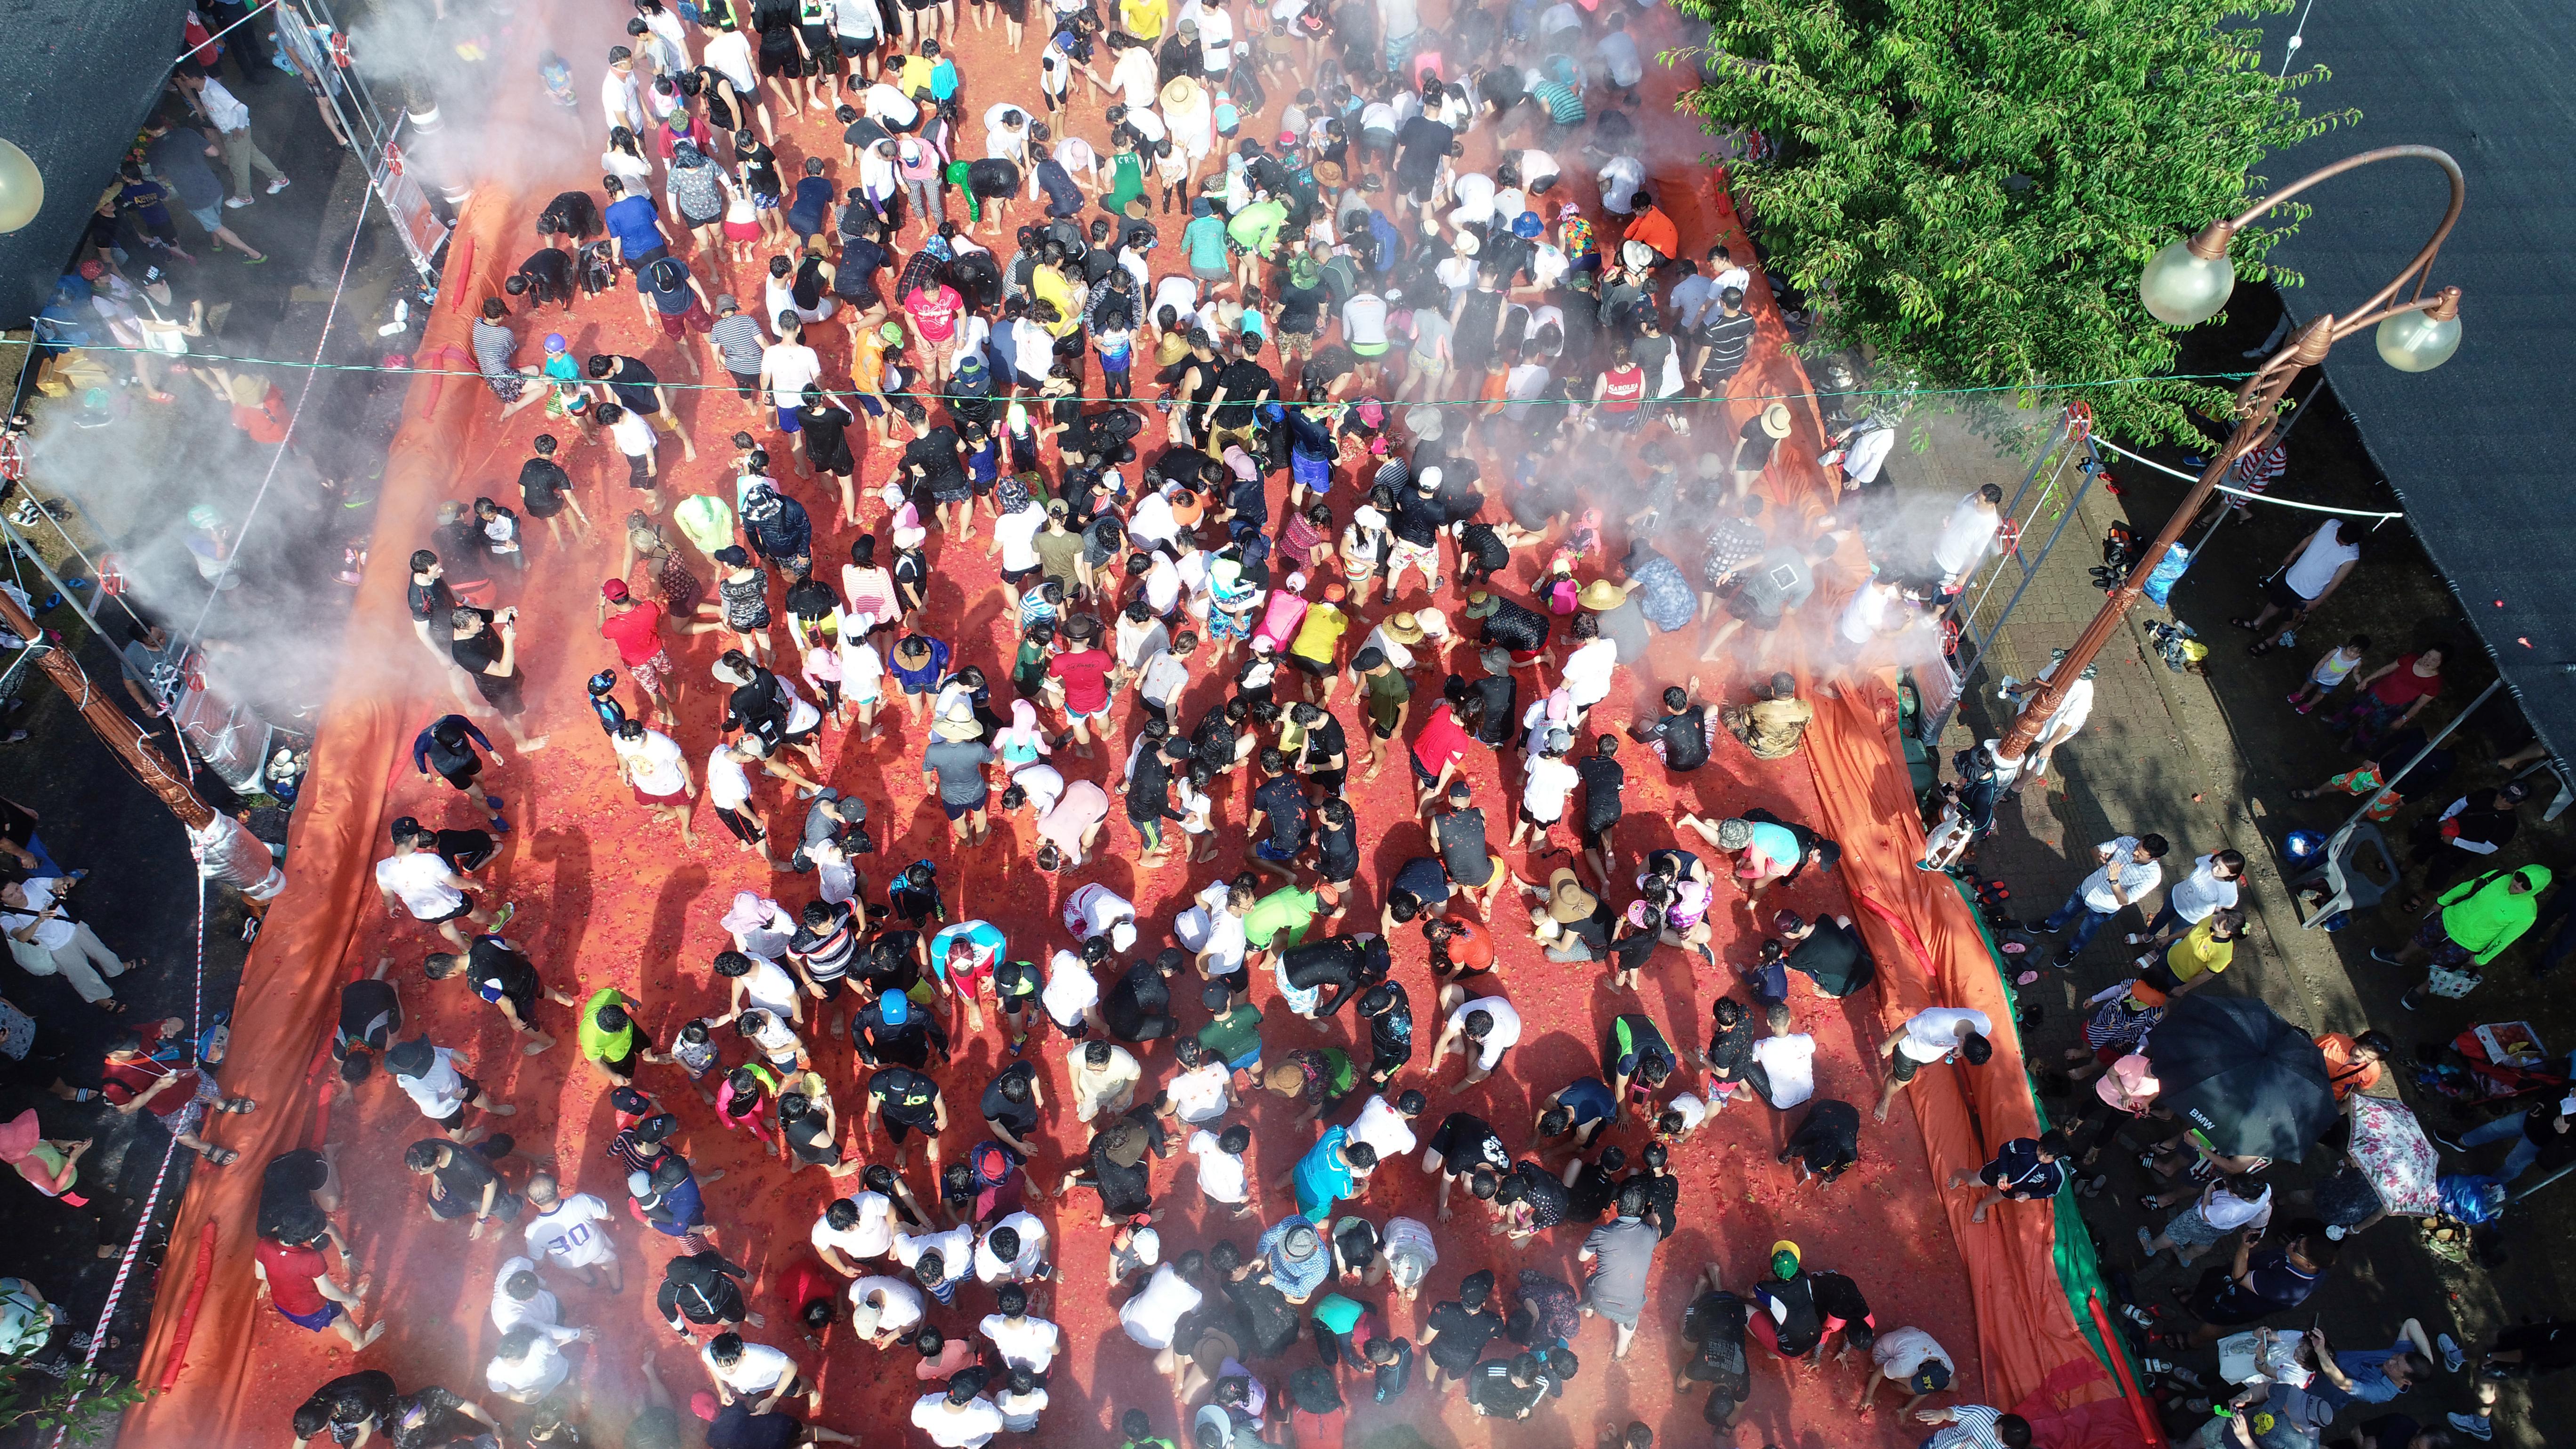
1255, 234
1139, 1429
610, 1037
1127, 177
1288, 911
2477, 920
1203, 242
1235, 1035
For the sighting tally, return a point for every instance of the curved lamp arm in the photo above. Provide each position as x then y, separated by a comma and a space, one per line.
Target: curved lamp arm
2211, 243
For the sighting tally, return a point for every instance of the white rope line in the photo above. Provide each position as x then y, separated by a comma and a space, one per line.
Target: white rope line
2242, 493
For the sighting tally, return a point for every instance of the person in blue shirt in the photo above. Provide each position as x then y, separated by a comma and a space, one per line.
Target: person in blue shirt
635, 235
1577, 1110
1331, 1170
449, 745
1203, 243
962, 958
918, 663
2372, 1375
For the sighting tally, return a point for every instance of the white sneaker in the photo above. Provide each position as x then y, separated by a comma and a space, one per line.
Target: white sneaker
236, 202
277, 185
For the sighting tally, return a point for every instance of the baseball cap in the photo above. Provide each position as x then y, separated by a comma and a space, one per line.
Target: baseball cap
555, 342
1929, 1377
1784, 1260
404, 827
614, 591
894, 1008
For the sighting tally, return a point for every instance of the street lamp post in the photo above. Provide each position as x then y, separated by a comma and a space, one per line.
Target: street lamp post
2186, 284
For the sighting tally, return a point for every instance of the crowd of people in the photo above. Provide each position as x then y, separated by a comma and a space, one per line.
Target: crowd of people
1315, 418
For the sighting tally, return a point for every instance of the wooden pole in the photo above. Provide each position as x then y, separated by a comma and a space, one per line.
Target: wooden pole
140, 756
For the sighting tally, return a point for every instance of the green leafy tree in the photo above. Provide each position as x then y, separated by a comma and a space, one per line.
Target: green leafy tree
1970, 189
84, 1404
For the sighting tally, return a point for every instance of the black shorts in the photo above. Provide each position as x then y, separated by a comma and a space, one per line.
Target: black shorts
787, 62
1534, 823
1902, 1067
897, 1129
1320, 668
456, 1119
853, 49
745, 383
463, 778
463, 909
1597, 837
960, 812
1017, 577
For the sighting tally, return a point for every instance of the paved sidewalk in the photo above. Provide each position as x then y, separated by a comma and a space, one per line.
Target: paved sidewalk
2162, 753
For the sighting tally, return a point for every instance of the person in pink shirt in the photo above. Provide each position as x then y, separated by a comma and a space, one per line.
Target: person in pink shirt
934, 312
1069, 828
1283, 614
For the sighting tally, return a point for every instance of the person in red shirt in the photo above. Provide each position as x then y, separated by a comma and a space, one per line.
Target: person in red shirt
1461, 947
1437, 750
635, 626
933, 312
2353, 1062
1619, 393
290, 1262
1078, 684
179, 1096
1651, 226
815, 1291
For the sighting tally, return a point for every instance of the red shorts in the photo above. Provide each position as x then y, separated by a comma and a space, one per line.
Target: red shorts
668, 801
693, 320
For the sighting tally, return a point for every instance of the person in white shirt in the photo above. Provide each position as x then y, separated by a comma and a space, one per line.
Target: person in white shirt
1912, 1358
1620, 177
1020, 1340
1212, 929
728, 53
2211, 886
439, 1088
1104, 1077
1222, 1173
1202, 1092
1071, 995
1151, 1316
1388, 1126
1547, 785
1481, 1029
2304, 580
757, 1372
416, 878
1588, 668
1013, 1251
1967, 537
530, 1363
520, 1296
2074, 709
885, 1310
1096, 910
621, 99
959, 1418
2125, 874
1783, 1072
572, 1232
651, 762
1935, 1034
955, 1250
853, 1229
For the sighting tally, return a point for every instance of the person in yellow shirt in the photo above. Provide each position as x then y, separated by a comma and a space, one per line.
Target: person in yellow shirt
2203, 952
1144, 19
1319, 640
1048, 283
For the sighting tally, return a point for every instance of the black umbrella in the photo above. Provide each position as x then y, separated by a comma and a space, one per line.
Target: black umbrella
2251, 1083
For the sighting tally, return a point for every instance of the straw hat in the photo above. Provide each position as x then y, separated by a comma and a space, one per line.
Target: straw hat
1567, 900
1601, 594
1403, 629
1180, 90
1775, 420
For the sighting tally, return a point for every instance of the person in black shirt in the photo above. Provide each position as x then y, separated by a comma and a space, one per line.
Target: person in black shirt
825, 426
500, 974
436, 1418
1323, 755
1420, 887
1682, 734
1389, 1014
1280, 811
1138, 1006
546, 276
1390, 1363
1828, 952
1241, 387
1827, 1143
486, 646
1338, 966
1603, 780
371, 1015
1839, 1300
346, 1406
1421, 145
1786, 1317
1713, 1326
704, 1288
1507, 1388
1011, 1103
1464, 1144
892, 1029
1663, 1190
1337, 842
1115, 1166
907, 1102
573, 216
545, 490
1455, 1335
462, 1180
1531, 1199
1729, 1052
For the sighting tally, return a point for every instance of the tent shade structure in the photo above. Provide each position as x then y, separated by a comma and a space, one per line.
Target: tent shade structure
2251, 1084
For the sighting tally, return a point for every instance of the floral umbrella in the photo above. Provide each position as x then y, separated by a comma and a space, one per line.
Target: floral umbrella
2389, 1146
